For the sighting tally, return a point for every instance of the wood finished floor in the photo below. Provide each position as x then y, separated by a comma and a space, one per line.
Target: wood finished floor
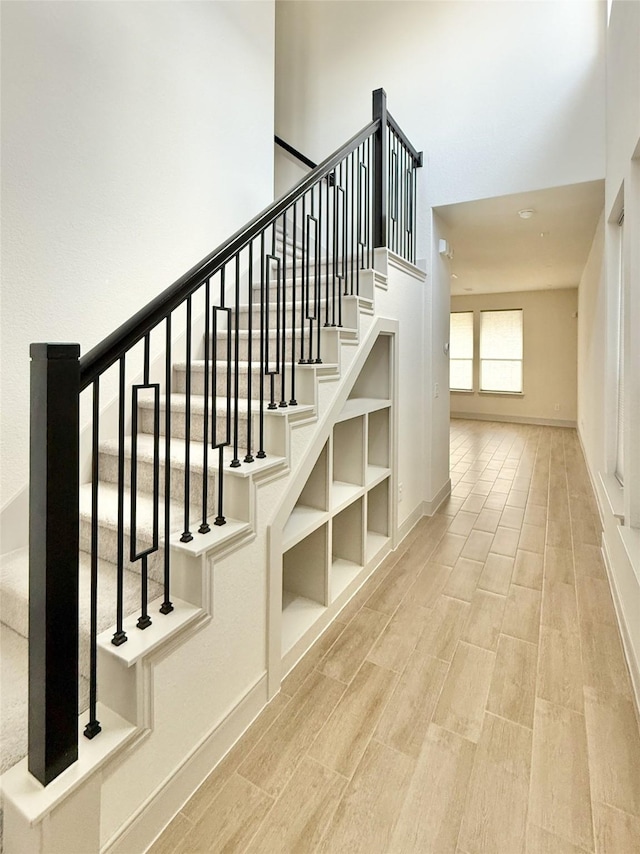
472, 698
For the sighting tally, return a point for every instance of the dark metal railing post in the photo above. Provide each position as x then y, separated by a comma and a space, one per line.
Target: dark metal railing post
53, 559
380, 170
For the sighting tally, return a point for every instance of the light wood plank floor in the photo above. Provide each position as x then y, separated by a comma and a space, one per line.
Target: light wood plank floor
472, 698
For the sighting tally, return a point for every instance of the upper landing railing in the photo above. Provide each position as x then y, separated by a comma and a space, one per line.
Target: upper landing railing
241, 323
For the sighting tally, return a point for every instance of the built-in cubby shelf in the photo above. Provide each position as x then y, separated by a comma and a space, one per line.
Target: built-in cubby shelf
342, 519
304, 584
378, 527
311, 507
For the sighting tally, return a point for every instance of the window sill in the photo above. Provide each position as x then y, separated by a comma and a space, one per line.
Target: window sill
503, 393
461, 391
614, 495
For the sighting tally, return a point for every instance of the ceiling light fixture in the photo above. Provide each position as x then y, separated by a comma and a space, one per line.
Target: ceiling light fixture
526, 213
453, 276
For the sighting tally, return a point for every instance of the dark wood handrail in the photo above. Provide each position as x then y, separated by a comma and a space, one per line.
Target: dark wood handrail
110, 349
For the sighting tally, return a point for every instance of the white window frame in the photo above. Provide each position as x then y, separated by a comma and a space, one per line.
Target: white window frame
620, 354
484, 390
472, 359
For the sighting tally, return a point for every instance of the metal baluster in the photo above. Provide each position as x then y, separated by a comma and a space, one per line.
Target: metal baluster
334, 235
370, 202
144, 620
220, 518
352, 221
392, 160
235, 462
415, 205
119, 636
308, 279
394, 198
93, 726
266, 309
282, 363
167, 605
403, 209
205, 527
261, 452
293, 401
326, 258
302, 283
359, 219
345, 226
187, 536
249, 456
318, 274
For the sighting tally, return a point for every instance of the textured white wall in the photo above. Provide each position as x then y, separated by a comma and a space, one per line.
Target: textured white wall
504, 97
135, 138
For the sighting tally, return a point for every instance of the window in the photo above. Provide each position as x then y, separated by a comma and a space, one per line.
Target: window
620, 366
501, 351
461, 351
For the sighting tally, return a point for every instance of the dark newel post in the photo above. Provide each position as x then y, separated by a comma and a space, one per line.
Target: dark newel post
380, 170
53, 559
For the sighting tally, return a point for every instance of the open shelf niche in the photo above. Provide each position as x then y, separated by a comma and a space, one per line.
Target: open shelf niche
347, 549
348, 462
342, 521
378, 519
311, 507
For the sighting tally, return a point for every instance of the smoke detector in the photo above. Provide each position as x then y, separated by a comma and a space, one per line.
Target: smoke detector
526, 213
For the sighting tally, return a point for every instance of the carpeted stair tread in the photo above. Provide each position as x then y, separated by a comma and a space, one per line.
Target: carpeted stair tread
108, 510
15, 590
179, 404
14, 697
146, 452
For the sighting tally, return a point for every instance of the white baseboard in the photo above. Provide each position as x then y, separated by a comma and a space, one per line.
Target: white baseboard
629, 652
424, 508
514, 419
411, 521
154, 815
441, 495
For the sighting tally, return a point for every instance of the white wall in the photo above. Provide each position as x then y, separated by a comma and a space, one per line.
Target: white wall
503, 97
136, 137
550, 338
598, 320
592, 311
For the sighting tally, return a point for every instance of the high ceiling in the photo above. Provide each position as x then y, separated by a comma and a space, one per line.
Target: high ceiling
495, 250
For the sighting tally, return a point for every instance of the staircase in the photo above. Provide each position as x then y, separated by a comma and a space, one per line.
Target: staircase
239, 486
208, 406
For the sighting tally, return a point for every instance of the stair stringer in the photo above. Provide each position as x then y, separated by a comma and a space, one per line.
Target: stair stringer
130, 776
279, 666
